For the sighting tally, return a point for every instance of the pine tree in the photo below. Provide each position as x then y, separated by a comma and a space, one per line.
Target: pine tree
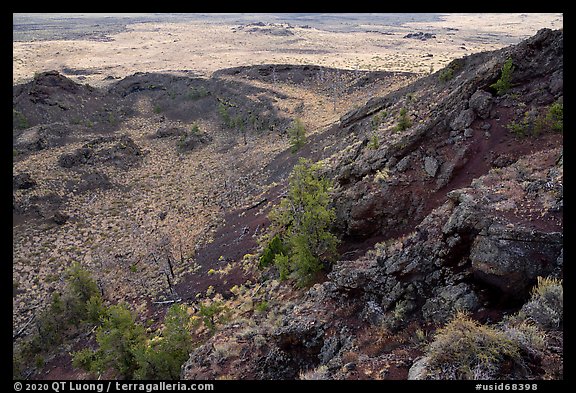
504, 84
120, 339
404, 121
297, 135
302, 221
164, 354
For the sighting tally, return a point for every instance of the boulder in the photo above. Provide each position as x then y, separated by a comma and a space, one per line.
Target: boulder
403, 164
420, 35
481, 103
78, 157
30, 139
120, 151
463, 120
166, 131
23, 181
419, 369
511, 259
442, 306
94, 181
431, 166
556, 84
60, 218
189, 141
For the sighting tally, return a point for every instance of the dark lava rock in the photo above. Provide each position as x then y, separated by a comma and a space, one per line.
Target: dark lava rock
191, 140
512, 258
51, 97
41, 137
463, 247
93, 181
78, 157
23, 181
46, 83
463, 120
481, 103
166, 131
60, 218
420, 35
123, 154
121, 151
431, 165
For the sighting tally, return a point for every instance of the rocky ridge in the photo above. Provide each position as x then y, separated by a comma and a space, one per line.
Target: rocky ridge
463, 214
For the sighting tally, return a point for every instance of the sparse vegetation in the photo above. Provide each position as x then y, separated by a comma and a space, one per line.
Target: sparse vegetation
162, 356
377, 119
382, 175
120, 339
195, 129
261, 307
225, 115
555, 116
546, 305
404, 121
212, 313
197, 92
466, 349
189, 140
19, 120
504, 84
78, 304
124, 346
374, 142
122, 342
533, 123
113, 120
446, 74
520, 128
297, 135
378, 308
317, 374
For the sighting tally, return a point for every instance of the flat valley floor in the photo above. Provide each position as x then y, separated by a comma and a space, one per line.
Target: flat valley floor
206, 47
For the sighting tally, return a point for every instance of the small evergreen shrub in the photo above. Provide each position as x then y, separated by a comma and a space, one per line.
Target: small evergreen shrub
224, 115
504, 84
119, 339
446, 74
555, 117
374, 142
273, 248
297, 135
212, 313
377, 119
403, 121
161, 358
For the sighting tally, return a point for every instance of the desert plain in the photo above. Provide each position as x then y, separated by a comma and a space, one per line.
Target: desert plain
204, 46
